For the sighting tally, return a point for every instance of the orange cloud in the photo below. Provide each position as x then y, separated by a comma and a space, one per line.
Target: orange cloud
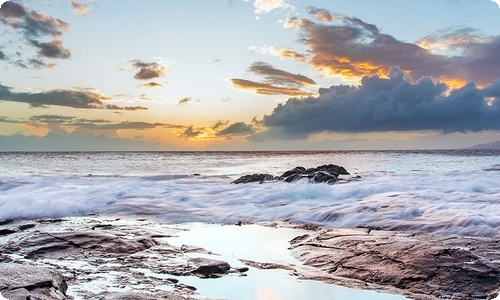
266, 89
351, 48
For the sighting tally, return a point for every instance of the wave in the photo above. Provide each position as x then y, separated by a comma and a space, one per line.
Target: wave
447, 203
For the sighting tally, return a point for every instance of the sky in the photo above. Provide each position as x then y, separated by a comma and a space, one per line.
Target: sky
248, 75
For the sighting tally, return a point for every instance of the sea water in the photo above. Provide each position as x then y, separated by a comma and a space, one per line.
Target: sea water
445, 192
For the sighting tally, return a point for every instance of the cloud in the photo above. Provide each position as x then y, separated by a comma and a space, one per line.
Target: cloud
321, 14
265, 6
191, 132
185, 101
34, 26
451, 39
236, 129
58, 140
31, 23
147, 71
82, 9
98, 124
8, 120
386, 104
266, 89
289, 53
276, 82
497, 2
352, 48
53, 49
77, 98
279, 77
219, 124
152, 84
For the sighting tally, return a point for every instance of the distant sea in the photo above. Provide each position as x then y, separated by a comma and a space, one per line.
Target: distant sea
445, 191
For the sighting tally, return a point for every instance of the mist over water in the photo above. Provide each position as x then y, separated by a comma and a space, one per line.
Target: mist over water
448, 192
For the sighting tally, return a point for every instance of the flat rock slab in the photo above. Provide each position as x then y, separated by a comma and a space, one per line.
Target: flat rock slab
64, 244
31, 282
423, 266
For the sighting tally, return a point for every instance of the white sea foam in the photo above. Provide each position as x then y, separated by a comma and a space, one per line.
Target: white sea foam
451, 194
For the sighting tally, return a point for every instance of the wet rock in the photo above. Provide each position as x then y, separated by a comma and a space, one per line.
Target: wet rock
321, 174
438, 267
140, 296
254, 178
7, 231
7, 221
30, 282
266, 266
205, 266
64, 244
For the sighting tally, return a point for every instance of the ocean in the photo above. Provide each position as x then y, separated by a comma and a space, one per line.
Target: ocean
453, 192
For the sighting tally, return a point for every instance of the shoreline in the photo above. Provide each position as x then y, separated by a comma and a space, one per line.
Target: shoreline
101, 257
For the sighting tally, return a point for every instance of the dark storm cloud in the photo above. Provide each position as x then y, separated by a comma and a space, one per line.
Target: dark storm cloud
386, 104
238, 128
350, 47
276, 81
33, 26
2, 55
147, 71
68, 98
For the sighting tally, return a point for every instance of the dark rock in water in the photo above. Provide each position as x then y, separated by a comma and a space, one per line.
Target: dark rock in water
7, 231
5, 222
325, 173
254, 178
205, 266
30, 282
321, 174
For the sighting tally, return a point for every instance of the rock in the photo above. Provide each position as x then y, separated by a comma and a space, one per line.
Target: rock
266, 266
442, 267
30, 282
254, 178
205, 266
133, 295
7, 231
321, 174
7, 221
64, 244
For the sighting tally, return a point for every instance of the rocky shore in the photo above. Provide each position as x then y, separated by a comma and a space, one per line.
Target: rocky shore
135, 258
